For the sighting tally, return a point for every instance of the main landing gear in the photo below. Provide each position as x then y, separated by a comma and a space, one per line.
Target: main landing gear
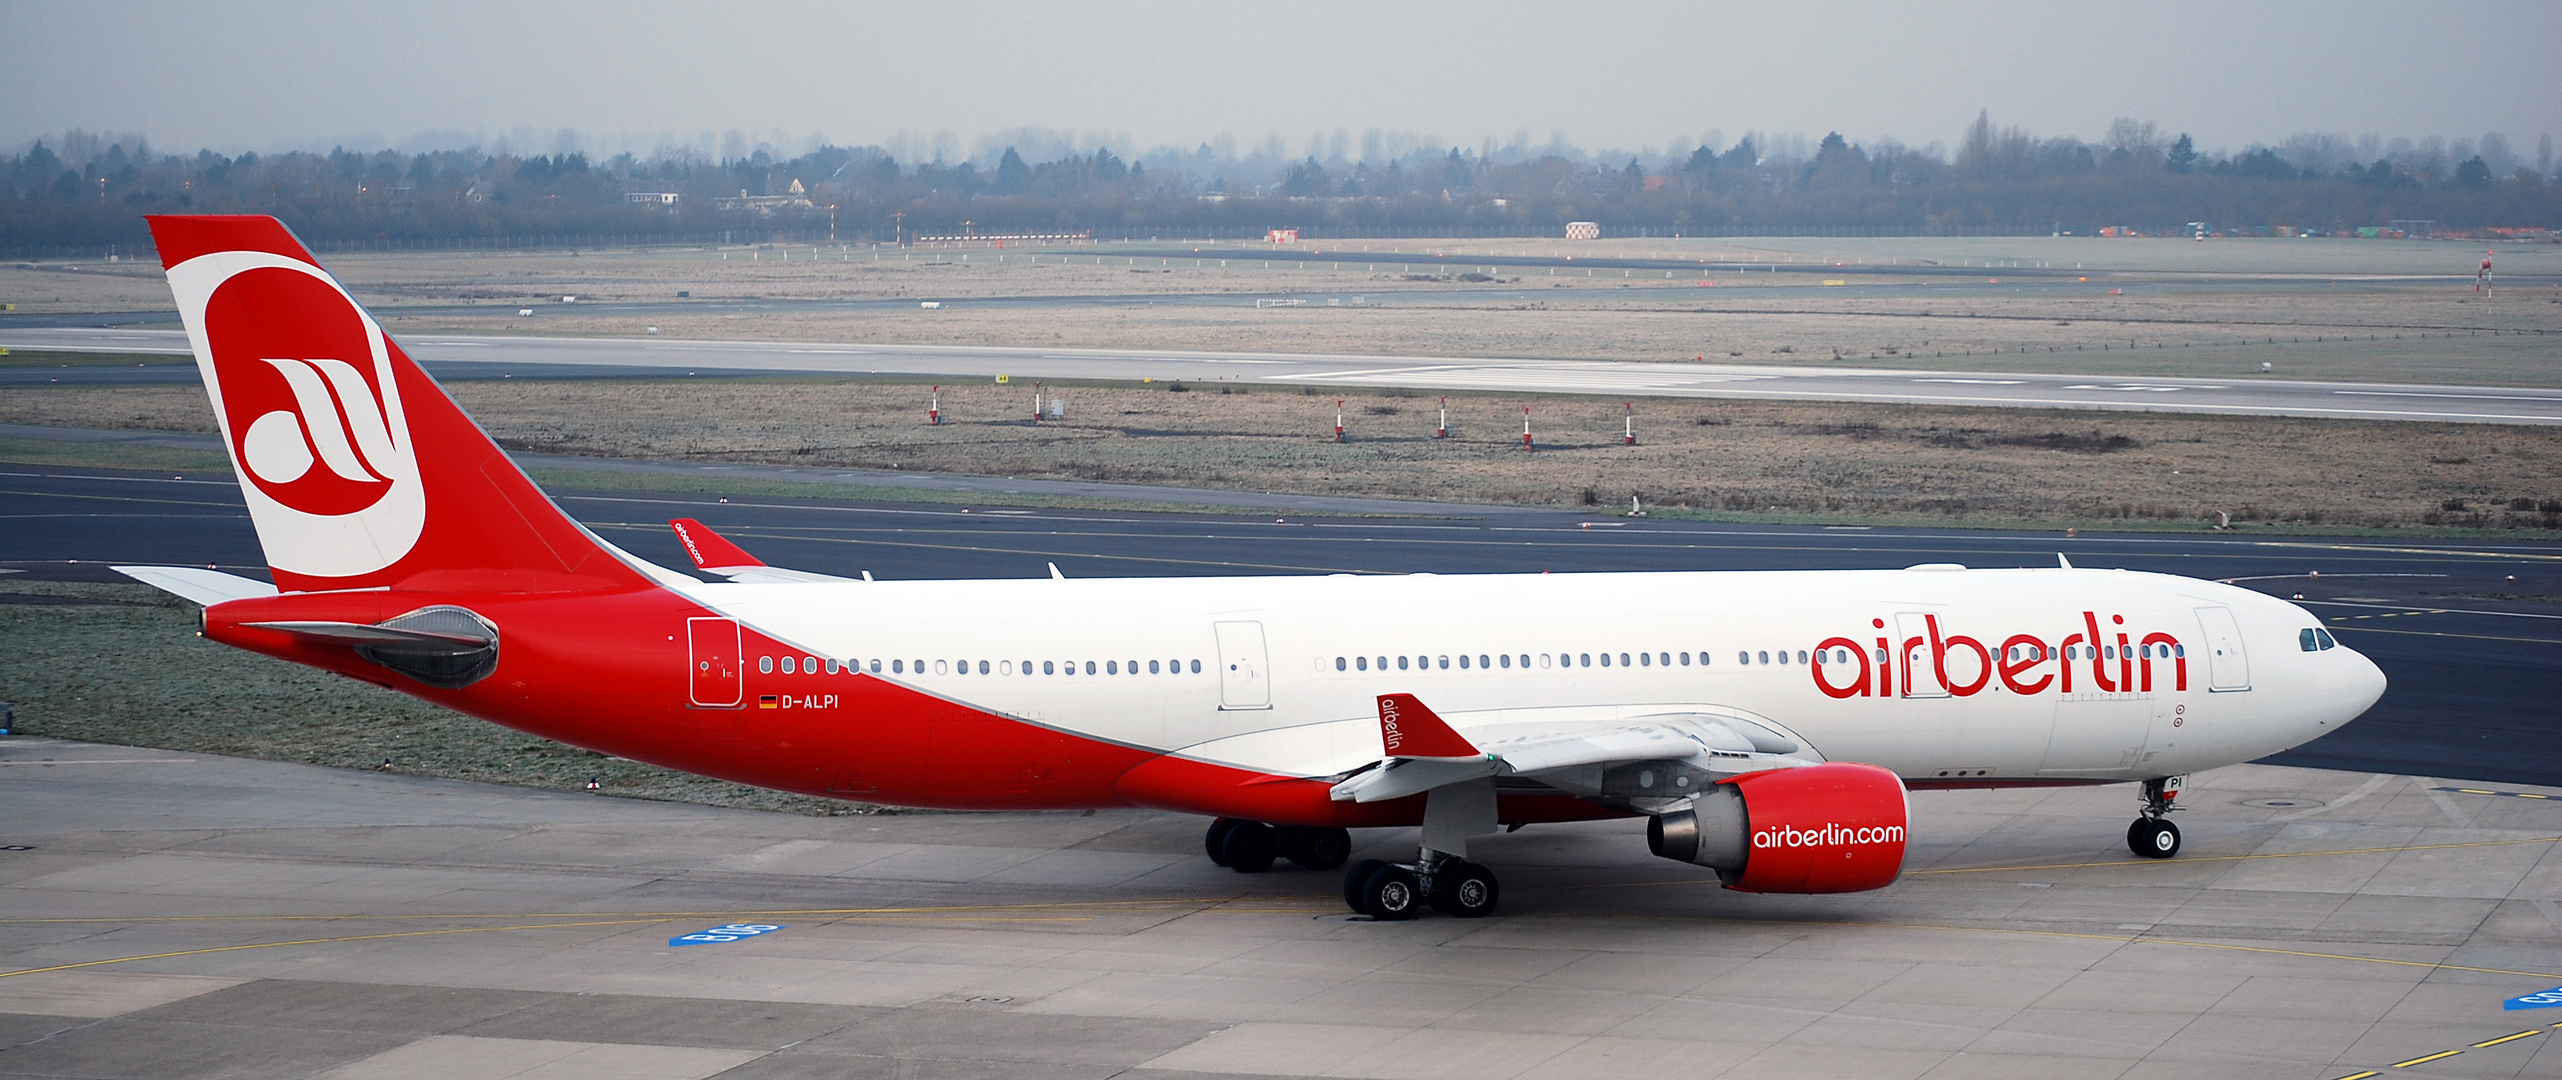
1250, 847
2152, 835
1392, 892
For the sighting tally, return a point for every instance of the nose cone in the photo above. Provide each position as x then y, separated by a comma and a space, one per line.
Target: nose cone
2365, 685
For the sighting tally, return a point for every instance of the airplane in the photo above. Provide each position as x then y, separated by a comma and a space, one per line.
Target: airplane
1767, 725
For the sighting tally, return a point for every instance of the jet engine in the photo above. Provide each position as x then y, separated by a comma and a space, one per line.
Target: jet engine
1836, 827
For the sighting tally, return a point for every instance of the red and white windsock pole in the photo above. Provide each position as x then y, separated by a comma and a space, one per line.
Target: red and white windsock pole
1525, 428
1443, 432
2482, 280
934, 410
1338, 420
1038, 391
1630, 439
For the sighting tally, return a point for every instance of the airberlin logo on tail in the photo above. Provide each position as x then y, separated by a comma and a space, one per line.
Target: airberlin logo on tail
334, 421
303, 381
1388, 725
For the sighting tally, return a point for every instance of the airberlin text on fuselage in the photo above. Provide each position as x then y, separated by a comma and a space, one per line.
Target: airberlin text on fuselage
2117, 659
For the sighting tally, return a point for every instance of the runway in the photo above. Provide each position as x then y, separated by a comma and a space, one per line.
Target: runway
181, 915
469, 356
2468, 632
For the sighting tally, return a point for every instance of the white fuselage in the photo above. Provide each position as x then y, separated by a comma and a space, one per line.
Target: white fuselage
1289, 668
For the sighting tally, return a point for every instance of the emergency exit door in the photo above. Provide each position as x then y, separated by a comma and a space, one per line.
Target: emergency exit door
711, 658
1244, 679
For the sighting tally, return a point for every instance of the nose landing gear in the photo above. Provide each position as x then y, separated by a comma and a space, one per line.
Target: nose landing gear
2152, 835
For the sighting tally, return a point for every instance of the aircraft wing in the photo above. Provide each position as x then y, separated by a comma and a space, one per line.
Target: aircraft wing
1665, 755
714, 554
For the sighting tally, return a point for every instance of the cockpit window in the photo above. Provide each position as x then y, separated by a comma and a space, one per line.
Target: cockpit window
2325, 637
2308, 639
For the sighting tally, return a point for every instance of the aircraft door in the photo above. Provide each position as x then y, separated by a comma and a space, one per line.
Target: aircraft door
1914, 672
1244, 677
2227, 666
712, 662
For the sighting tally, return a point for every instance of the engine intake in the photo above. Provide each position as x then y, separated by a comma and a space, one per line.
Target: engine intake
1837, 827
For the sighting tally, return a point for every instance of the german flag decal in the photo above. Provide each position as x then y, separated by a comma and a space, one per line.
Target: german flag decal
768, 701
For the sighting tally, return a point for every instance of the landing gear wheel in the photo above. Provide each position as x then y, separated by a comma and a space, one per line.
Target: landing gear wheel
1249, 847
1216, 840
1465, 890
1316, 848
1355, 878
1391, 894
2153, 838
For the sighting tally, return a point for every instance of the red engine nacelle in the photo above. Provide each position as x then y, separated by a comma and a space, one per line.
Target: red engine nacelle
1830, 828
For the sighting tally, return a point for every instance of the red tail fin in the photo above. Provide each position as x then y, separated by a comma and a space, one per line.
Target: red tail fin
709, 549
358, 470
1408, 729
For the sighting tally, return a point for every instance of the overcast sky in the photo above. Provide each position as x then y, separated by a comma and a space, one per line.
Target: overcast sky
264, 74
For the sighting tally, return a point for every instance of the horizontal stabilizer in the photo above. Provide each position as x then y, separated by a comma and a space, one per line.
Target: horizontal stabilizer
771, 575
198, 585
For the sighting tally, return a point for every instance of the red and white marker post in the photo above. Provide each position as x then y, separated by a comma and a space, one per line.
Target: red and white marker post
1525, 428
2482, 279
1630, 439
1039, 391
1443, 432
934, 409
1338, 420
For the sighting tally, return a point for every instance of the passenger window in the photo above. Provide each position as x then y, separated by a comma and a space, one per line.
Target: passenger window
1111, 667
1089, 667
1765, 658
787, 665
1543, 660
809, 665
940, 667
1507, 660
1047, 667
1445, 663
898, 667
1463, 661
1401, 663
1005, 667
1783, 656
1685, 659
1196, 667
1645, 659
2180, 651
1605, 659
876, 667
1525, 661
982, 667
765, 665
1586, 660
1484, 661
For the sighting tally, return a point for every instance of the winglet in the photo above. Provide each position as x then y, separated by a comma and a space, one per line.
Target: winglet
2061, 562
1408, 729
707, 548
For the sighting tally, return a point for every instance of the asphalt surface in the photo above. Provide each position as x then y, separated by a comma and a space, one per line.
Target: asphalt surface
2470, 633
177, 916
470, 356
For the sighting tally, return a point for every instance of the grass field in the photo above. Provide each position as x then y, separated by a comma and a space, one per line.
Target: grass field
1858, 464
2330, 309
